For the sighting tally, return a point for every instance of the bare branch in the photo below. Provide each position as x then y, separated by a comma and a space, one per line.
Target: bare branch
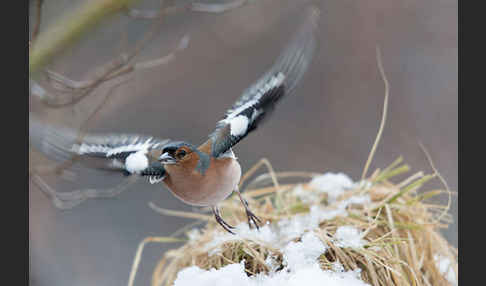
77, 90
69, 28
38, 17
154, 14
68, 200
217, 7
143, 14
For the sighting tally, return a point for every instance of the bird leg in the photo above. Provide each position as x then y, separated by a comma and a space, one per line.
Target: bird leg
220, 220
249, 214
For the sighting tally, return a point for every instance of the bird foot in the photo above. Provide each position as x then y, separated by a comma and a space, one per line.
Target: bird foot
252, 218
220, 220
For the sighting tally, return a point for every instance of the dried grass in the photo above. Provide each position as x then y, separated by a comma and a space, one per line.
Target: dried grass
400, 226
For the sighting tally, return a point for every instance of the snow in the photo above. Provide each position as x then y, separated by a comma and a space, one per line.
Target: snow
300, 258
349, 236
298, 255
334, 184
232, 274
445, 268
278, 234
301, 268
272, 263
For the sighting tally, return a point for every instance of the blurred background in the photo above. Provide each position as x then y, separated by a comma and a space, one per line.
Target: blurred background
328, 126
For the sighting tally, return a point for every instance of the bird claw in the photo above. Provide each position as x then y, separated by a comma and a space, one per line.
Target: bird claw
249, 214
220, 220
252, 218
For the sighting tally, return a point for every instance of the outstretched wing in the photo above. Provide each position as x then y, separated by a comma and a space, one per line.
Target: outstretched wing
259, 100
127, 153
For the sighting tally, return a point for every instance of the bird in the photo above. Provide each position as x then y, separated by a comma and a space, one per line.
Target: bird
199, 175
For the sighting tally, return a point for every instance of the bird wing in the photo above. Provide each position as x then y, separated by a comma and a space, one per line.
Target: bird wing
91, 159
126, 153
259, 100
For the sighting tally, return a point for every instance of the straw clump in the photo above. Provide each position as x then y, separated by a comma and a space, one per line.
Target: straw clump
378, 232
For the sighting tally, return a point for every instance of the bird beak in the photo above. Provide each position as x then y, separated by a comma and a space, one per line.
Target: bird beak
167, 159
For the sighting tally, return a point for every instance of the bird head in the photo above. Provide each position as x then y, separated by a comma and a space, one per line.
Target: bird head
176, 153
181, 154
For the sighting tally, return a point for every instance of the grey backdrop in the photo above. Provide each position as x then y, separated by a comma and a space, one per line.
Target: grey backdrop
329, 125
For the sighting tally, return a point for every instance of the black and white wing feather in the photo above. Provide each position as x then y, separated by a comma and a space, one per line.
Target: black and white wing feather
127, 153
259, 100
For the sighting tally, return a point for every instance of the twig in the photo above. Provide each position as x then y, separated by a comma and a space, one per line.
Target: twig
383, 119
115, 68
444, 182
138, 254
69, 28
143, 14
108, 69
179, 213
100, 106
154, 14
217, 7
38, 17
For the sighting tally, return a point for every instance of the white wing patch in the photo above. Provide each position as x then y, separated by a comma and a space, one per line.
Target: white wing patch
136, 162
85, 148
132, 147
239, 125
155, 180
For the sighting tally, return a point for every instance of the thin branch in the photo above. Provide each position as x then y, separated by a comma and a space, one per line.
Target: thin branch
143, 14
217, 7
138, 254
69, 28
91, 85
385, 109
154, 14
75, 91
441, 178
101, 105
38, 17
113, 69
167, 212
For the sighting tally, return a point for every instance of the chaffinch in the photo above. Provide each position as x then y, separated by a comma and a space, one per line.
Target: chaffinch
201, 175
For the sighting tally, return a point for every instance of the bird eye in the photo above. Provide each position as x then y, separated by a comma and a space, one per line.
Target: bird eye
181, 154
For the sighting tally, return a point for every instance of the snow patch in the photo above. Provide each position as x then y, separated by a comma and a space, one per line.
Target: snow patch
281, 232
334, 184
444, 265
349, 236
297, 255
232, 274
302, 268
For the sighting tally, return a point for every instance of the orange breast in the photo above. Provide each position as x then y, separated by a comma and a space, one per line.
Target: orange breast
219, 181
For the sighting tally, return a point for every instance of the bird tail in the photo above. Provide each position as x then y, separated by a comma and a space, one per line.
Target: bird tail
55, 142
